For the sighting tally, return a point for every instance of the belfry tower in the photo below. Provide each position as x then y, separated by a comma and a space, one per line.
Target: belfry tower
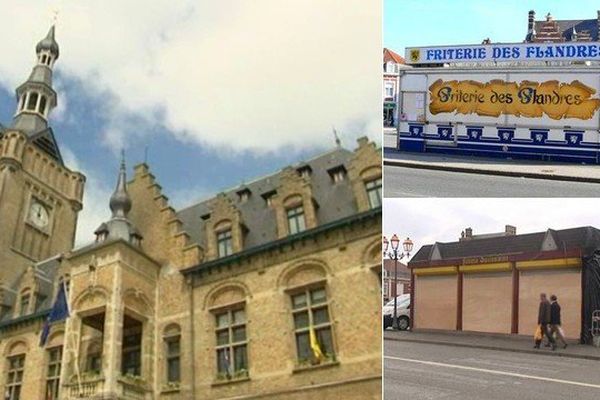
40, 197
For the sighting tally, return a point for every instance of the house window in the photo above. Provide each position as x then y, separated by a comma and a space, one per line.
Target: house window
311, 313
296, 222
244, 195
337, 174
14, 380
224, 243
94, 359
173, 350
25, 299
131, 352
268, 197
389, 90
305, 171
232, 357
374, 192
53, 374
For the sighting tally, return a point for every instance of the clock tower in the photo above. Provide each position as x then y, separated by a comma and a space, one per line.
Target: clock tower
40, 197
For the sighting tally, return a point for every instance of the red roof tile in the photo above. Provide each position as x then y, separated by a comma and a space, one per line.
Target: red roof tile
389, 55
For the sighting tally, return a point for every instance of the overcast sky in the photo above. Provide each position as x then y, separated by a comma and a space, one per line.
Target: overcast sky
429, 220
220, 91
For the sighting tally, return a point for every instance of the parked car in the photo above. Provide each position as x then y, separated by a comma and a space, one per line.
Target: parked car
403, 312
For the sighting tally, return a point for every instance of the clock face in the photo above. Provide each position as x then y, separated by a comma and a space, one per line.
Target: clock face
38, 215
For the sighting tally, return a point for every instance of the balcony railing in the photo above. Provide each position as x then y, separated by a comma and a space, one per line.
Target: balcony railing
87, 388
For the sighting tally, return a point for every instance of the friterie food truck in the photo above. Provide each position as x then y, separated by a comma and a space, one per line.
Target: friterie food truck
526, 100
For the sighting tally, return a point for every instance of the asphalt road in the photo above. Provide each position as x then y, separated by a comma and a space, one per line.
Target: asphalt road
419, 371
414, 182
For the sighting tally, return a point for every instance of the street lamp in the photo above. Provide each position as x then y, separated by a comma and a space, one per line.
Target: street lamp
407, 246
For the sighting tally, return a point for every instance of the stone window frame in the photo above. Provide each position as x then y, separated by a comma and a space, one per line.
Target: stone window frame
225, 237
307, 288
230, 309
27, 294
14, 376
376, 186
53, 379
171, 334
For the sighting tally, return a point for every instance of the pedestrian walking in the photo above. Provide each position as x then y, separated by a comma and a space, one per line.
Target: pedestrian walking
544, 314
555, 323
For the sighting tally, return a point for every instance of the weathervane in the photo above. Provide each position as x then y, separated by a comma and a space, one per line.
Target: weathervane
54, 16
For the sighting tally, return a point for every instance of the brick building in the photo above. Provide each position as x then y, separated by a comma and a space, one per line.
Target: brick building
267, 290
564, 30
392, 64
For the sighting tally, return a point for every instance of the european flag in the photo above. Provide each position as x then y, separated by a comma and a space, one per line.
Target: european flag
59, 312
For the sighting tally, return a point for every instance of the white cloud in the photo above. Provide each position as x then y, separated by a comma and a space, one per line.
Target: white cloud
429, 220
232, 74
95, 200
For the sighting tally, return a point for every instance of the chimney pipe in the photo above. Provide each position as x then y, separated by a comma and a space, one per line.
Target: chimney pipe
510, 230
531, 21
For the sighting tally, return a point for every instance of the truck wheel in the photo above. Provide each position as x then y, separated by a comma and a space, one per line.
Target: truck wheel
403, 323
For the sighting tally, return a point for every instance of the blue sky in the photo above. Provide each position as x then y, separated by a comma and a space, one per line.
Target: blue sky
219, 92
438, 22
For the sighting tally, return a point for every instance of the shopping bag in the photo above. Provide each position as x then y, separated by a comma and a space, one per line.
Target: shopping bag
560, 330
537, 336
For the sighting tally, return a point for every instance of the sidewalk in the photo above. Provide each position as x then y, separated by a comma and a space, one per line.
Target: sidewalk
520, 344
493, 166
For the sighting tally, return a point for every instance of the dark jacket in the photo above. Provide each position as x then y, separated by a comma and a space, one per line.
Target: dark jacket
544, 313
555, 313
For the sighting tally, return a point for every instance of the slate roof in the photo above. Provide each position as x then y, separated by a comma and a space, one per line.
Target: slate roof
587, 238
334, 201
45, 276
566, 27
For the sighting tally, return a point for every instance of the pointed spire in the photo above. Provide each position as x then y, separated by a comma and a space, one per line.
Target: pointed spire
338, 142
120, 203
48, 43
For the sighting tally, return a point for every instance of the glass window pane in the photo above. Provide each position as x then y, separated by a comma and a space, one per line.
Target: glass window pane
241, 359
299, 300
222, 320
173, 373
303, 346
325, 340
223, 361
222, 337
239, 316
239, 334
320, 316
301, 320
318, 296
173, 347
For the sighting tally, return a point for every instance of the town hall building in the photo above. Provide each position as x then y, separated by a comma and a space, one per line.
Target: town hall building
268, 290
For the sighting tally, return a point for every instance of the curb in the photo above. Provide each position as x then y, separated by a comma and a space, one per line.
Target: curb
482, 171
496, 348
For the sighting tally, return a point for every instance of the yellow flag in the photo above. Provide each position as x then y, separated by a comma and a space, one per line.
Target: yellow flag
314, 345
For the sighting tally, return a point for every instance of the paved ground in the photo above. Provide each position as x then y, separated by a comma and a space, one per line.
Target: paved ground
411, 182
420, 371
515, 343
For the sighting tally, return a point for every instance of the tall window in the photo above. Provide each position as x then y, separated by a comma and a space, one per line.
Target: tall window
53, 374
173, 350
131, 352
310, 311
94, 358
389, 90
33, 98
296, 222
14, 380
374, 192
224, 243
25, 299
232, 357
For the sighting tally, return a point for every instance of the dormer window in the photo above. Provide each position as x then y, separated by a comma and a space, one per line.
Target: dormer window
24, 303
243, 195
224, 243
305, 171
337, 174
296, 221
268, 196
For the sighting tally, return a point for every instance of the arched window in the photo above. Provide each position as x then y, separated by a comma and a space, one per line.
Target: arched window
44, 59
172, 341
33, 98
42, 109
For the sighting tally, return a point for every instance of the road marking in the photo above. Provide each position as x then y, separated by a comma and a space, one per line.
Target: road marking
493, 371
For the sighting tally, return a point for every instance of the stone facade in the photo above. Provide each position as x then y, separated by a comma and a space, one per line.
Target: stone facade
267, 290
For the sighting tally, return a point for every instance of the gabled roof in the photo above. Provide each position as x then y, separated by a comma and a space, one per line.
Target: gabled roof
586, 238
566, 26
389, 55
336, 201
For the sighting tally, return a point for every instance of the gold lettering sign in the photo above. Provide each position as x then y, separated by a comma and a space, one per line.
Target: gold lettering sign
527, 99
484, 260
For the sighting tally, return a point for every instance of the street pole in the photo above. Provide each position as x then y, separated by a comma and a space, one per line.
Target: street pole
395, 321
